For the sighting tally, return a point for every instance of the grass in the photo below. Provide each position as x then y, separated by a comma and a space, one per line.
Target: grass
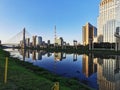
24, 76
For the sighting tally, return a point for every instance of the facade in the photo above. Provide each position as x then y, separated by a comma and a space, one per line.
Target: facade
117, 36
34, 41
48, 42
43, 43
108, 20
59, 41
39, 40
89, 32
27, 42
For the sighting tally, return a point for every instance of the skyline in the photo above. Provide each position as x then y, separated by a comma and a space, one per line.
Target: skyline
40, 16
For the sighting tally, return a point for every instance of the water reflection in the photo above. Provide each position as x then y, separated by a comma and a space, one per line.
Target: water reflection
101, 72
36, 55
59, 56
75, 57
109, 73
49, 54
23, 53
89, 65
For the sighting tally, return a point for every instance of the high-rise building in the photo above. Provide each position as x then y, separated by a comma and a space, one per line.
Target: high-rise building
27, 42
34, 41
89, 33
59, 41
108, 20
48, 42
39, 40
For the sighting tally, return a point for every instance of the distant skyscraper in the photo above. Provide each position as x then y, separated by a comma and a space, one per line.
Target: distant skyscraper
59, 41
89, 32
48, 42
34, 41
39, 40
27, 42
55, 36
108, 20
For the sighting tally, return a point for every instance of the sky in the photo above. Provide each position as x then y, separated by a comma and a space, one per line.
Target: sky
40, 16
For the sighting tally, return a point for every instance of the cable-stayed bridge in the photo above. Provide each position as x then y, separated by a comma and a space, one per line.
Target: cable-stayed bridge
15, 40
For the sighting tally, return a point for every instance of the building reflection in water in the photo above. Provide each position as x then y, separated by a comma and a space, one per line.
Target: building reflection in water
59, 56
107, 68
36, 55
49, 54
108, 74
75, 57
89, 65
39, 55
23, 53
28, 54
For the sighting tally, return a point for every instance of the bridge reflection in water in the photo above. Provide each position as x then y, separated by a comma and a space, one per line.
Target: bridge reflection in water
97, 71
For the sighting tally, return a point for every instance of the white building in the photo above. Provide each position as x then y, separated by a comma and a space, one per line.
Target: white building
108, 20
59, 41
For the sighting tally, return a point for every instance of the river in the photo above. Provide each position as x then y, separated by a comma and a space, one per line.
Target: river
100, 72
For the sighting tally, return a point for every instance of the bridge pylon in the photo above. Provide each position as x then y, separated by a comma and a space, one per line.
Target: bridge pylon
24, 41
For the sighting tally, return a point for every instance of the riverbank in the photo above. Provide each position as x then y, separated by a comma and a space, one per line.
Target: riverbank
79, 50
24, 76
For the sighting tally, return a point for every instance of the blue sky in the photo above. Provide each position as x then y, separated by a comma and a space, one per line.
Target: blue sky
40, 16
